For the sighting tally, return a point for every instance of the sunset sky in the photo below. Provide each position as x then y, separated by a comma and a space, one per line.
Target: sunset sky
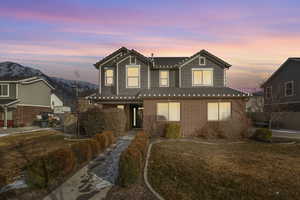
63, 36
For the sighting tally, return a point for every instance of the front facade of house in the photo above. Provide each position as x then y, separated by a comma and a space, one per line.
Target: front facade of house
155, 90
282, 89
21, 99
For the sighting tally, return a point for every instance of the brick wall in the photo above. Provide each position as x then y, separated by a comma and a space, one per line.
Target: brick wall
193, 114
27, 114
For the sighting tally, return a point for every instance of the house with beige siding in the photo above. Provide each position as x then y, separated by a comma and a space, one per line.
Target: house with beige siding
191, 91
22, 99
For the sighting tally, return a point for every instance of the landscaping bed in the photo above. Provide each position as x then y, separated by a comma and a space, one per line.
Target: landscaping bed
45, 159
250, 170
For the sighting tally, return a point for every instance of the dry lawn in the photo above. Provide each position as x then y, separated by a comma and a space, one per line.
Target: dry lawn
17, 150
251, 170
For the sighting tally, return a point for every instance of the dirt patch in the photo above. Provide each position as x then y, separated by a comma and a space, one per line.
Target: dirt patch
134, 192
250, 170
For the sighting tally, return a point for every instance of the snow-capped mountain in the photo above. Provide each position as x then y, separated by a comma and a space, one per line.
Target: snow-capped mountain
63, 88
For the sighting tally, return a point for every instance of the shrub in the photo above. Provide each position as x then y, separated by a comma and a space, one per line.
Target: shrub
82, 151
263, 134
50, 168
114, 119
95, 147
130, 166
172, 130
132, 159
92, 121
109, 136
95, 120
3, 180
102, 140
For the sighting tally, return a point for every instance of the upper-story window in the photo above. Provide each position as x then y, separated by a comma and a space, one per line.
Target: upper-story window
4, 90
109, 77
163, 78
202, 60
202, 77
289, 88
132, 76
268, 92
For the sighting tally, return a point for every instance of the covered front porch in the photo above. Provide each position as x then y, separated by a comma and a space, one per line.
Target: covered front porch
7, 109
132, 106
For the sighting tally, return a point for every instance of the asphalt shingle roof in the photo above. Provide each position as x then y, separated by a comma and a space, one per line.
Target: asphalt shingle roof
167, 61
192, 92
7, 101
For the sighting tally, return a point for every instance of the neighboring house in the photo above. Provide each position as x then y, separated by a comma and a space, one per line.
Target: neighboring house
190, 91
282, 89
55, 101
21, 99
255, 102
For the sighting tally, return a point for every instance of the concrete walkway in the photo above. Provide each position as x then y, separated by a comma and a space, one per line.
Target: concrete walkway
94, 180
290, 134
9, 131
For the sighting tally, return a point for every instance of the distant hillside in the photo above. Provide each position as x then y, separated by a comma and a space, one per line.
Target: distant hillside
63, 88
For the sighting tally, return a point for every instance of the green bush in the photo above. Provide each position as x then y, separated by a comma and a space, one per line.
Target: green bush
130, 166
49, 169
263, 134
132, 160
172, 131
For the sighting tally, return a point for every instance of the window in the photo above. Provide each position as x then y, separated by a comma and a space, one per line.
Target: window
164, 78
4, 90
218, 111
132, 76
289, 88
109, 77
121, 107
202, 77
202, 61
168, 111
268, 92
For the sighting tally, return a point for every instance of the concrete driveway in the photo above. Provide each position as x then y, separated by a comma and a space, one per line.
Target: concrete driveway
291, 134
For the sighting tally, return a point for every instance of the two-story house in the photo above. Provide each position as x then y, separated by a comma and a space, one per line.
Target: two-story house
22, 99
282, 89
154, 90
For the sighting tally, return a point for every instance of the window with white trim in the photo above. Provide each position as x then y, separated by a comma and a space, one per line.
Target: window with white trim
109, 77
4, 90
202, 77
202, 61
132, 76
218, 111
268, 92
289, 88
163, 78
169, 111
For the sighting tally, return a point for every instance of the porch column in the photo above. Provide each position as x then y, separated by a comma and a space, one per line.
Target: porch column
5, 117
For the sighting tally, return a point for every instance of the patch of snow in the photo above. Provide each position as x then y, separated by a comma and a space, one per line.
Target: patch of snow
1, 135
15, 185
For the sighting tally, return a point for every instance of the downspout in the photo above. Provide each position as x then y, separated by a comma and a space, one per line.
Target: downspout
180, 77
117, 79
5, 117
99, 79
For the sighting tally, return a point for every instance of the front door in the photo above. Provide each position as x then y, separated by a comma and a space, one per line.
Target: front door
137, 116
